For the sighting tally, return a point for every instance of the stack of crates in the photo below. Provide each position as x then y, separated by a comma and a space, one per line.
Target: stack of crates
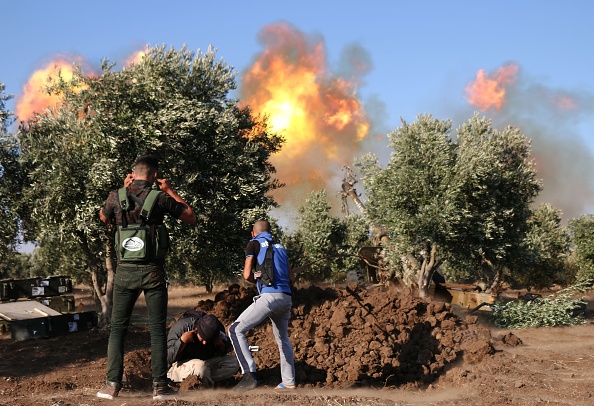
52, 293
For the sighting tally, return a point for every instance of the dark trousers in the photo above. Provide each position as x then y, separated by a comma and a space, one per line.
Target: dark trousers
130, 281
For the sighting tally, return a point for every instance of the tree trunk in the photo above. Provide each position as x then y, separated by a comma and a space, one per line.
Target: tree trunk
428, 268
209, 283
106, 302
410, 270
497, 281
497, 278
103, 288
101, 296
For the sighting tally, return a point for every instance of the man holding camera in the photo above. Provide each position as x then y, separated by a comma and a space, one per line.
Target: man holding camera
146, 276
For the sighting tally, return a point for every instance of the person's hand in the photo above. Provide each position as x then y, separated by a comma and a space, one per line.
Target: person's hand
128, 179
164, 185
188, 336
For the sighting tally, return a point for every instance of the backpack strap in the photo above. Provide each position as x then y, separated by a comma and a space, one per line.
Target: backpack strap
149, 204
124, 204
123, 197
267, 265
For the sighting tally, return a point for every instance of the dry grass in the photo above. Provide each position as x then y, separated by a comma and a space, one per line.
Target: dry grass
181, 298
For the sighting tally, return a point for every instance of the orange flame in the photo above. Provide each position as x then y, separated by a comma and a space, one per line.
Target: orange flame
34, 98
316, 112
136, 57
485, 92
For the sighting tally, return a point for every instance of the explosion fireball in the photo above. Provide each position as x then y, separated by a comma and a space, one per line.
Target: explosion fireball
318, 113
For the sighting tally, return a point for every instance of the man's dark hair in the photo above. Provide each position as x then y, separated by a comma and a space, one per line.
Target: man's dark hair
207, 326
149, 162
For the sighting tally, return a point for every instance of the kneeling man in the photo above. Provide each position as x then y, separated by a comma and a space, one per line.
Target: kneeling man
197, 345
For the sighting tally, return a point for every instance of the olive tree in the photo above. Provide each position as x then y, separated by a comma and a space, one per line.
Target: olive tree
461, 197
493, 185
319, 235
408, 197
581, 230
10, 187
355, 235
324, 246
545, 250
173, 104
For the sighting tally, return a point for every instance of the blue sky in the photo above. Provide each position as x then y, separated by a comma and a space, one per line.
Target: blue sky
422, 55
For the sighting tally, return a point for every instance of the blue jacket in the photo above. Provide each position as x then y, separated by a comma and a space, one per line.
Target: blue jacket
281, 281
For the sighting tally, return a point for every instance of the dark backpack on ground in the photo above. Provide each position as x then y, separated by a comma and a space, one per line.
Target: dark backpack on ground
140, 242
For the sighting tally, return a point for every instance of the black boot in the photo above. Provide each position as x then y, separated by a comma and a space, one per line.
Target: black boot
249, 381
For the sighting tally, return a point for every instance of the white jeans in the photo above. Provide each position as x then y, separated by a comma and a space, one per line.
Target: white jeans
276, 307
211, 370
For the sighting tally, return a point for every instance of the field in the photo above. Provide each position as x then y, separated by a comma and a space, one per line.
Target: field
352, 347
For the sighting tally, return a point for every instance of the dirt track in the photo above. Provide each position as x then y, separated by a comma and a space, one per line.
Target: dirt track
356, 347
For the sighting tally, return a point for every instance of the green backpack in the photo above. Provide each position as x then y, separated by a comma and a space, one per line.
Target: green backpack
140, 242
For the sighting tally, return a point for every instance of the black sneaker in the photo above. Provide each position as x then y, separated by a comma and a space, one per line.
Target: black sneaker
110, 391
249, 381
163, 392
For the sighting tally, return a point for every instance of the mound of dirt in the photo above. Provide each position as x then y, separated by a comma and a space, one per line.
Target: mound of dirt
357, 337
352, 346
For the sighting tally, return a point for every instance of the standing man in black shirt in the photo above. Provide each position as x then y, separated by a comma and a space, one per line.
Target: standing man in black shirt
146, 276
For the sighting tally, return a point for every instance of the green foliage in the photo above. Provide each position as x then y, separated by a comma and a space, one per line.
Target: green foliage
562, 309
5, 115
463, 199
17, 266
49, 259
581, 230
407, 197
545, 250
10, 185
493, 185
355, 234
174, 104
320, 235
328, 245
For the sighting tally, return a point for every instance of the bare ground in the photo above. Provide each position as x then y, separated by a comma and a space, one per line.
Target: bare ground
352, 347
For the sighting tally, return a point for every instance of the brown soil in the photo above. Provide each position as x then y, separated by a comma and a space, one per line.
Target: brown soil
352, 345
